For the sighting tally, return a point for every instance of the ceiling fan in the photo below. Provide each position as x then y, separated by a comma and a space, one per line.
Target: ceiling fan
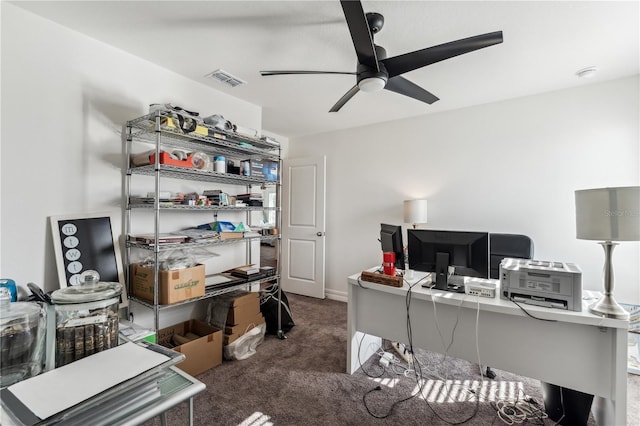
376, 72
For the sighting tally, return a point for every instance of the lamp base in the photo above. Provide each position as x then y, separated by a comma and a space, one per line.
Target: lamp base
608, 307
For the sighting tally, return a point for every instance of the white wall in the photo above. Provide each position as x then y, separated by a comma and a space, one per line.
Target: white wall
65, 98
503, 167
507, 167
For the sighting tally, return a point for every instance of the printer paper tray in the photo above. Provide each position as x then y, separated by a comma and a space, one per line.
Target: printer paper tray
546, 302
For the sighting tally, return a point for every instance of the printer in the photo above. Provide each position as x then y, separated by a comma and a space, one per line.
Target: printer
541, 283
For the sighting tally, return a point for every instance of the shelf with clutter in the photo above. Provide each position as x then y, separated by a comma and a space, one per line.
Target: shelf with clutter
179, 149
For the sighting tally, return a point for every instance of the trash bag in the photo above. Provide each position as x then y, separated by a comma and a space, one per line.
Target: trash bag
269, 309
245, 345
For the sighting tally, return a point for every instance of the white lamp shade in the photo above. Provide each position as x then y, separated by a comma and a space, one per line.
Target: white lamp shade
608, 214
415, 211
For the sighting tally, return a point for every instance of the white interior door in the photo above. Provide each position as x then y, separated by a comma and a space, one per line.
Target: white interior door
303, 226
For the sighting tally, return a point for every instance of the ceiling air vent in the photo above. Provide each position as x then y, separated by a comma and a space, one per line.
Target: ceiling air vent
226, 78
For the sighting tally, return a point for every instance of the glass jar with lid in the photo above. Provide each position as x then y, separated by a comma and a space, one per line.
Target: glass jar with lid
86, 318
22, 339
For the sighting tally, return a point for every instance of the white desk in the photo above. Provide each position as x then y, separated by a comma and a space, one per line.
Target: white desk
578, 350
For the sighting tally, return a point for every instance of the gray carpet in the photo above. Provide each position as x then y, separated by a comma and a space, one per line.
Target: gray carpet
302, 381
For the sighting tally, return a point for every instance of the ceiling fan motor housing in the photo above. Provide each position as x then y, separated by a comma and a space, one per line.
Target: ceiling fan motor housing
375, 22
364, 73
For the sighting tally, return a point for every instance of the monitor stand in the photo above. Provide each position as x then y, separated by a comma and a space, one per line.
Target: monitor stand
442, 270
455, 288
455, 284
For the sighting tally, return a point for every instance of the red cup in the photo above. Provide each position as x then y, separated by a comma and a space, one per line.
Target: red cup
389, 263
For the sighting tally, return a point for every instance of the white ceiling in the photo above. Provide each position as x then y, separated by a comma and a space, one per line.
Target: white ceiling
545, 43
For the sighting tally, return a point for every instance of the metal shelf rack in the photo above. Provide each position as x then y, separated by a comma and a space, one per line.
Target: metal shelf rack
152, 129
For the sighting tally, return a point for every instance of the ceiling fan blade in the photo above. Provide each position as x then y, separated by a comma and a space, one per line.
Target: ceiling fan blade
404, 87
360, 33
345, 98
410, 61
267, 73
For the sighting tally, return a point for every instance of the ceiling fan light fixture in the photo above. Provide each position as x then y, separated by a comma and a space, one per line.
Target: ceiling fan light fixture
372, 84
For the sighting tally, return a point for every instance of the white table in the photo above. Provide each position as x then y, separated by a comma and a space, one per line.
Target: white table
175, 387
577, 350
179, 388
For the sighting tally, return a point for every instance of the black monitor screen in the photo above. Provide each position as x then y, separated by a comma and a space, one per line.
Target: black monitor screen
391, 240
468, 252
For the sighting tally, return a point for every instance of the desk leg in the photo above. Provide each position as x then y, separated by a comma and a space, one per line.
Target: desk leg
357, 342
163, 416
364, 344
614, 411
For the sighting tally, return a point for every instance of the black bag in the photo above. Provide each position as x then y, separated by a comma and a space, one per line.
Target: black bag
269, 309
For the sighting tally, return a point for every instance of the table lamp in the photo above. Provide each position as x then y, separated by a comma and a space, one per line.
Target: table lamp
608, 215
415, 212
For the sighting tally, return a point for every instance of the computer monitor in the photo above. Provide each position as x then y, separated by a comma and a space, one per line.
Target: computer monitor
435, 251
391, 241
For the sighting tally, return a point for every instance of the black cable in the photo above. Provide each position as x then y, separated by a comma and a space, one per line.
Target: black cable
360, 363
418, 370
360, 283
532, 316
393, 406
418, 367
377, 388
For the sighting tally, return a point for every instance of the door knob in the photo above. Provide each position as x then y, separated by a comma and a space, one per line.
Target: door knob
319, 234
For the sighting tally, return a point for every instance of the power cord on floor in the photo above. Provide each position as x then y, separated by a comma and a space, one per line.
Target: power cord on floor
520, 411
387, 360
418, 368
378, 388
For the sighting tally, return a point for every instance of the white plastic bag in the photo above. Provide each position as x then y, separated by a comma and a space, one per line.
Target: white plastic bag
245, 346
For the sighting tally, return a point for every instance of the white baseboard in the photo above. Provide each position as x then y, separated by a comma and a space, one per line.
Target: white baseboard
340, 296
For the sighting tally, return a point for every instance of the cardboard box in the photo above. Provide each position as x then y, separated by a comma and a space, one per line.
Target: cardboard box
232, 333
230, 235
175, 286
240, 329
244, 309
202, 353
